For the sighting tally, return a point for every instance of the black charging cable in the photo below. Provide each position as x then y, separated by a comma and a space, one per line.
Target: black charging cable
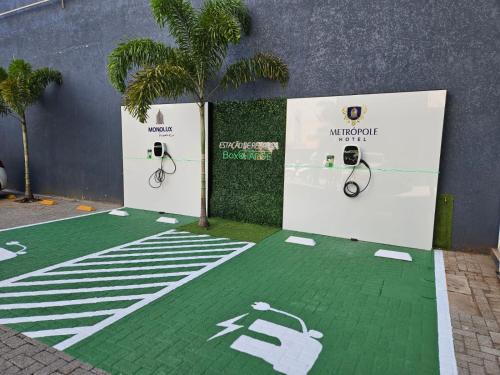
158, 177
351, 188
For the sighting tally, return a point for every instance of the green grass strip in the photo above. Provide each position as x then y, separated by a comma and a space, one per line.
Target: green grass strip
232, 229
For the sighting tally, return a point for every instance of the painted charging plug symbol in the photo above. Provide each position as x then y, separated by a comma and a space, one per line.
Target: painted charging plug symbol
297, 352
7, 254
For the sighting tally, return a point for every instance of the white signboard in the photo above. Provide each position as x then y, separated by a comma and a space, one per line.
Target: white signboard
178, 126
399, 136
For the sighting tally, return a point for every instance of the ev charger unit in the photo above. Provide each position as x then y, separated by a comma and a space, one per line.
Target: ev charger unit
352, 155
159, 176
352, 158
159, 149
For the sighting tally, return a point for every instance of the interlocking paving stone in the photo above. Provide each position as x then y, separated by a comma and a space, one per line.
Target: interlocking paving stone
475, 322
35, 358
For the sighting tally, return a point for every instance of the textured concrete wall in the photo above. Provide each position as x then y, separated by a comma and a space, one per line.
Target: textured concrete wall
332, 48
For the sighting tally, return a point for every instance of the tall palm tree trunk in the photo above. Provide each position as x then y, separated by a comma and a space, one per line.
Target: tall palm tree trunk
203, 222
28, 195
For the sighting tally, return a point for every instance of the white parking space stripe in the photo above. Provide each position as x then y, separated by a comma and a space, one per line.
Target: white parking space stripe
44, 318
167, 253
96, 279
123, 269
175, 237
122, 313
132, 261
179, 246
173, 232
68, 263
55, 332
182, 241
82, 290
84, 301
182, 246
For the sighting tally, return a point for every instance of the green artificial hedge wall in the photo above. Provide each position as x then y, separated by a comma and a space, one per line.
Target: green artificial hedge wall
443, 221
242, 187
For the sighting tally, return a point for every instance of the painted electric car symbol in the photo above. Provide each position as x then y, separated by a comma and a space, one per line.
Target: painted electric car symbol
298, 350
7, 254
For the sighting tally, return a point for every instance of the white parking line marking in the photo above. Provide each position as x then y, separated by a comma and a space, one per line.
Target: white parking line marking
55, 332
124, 269
179, 246
174, 237
96, 279
69, 262
149, 260
44, 318
82, 290
182, 241
83, 301
124, 312
166, 253
205, 257
169, 234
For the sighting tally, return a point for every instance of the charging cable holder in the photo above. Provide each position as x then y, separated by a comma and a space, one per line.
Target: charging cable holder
352, 157
159, 176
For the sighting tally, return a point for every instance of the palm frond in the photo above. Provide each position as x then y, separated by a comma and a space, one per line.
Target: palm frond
138, 53
19, 68
4, 109
220, 23
179, 16
261, 66
162, 81
3, 74
238, 9
14, 95
21, 86
217, 24
40, 79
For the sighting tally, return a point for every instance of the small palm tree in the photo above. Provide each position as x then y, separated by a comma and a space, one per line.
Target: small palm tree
203, 37
20, 87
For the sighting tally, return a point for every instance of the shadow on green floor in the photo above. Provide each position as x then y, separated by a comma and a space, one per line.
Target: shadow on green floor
232, 229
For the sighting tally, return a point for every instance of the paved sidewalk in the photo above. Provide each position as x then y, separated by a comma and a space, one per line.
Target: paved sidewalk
13, 214
22, 355
474, 295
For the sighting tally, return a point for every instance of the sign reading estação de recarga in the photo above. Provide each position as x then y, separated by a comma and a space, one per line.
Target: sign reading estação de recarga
237, 150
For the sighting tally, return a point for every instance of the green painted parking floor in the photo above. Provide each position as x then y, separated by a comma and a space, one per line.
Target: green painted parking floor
231, 308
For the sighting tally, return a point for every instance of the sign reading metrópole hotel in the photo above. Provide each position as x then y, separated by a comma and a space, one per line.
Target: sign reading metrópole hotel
353, 116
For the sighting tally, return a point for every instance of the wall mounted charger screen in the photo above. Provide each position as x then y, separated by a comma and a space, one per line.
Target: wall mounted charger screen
177, 126
399, 135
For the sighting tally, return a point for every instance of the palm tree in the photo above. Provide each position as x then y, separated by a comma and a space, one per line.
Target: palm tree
203, 37
20, 87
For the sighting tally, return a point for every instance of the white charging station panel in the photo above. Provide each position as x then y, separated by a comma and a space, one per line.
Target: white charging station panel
399, 135
178, 126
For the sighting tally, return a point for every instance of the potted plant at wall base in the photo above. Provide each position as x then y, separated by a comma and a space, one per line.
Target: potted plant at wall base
21, 87
203, 37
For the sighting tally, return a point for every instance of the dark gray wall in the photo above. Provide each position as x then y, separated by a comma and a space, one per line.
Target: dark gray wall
332, 47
